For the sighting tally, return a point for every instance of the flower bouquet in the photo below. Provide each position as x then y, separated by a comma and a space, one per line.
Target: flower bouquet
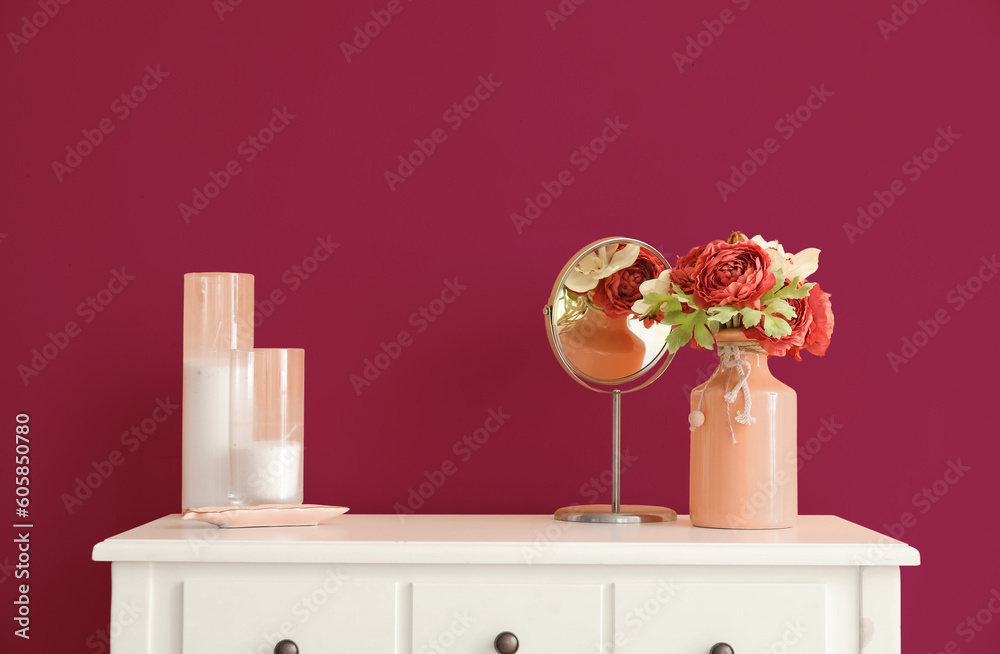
751, 284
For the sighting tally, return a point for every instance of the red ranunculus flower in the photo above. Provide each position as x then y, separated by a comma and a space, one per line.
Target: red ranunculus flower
812, 327
791, 344
617, 293
732, 273
821, 329
682, 273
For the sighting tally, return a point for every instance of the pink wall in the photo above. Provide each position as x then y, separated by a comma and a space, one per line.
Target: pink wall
537, 88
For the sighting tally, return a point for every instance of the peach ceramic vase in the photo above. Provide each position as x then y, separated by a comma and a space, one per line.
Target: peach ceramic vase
603, 347
743, 456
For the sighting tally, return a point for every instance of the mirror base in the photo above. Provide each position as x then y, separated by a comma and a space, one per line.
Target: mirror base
627, 515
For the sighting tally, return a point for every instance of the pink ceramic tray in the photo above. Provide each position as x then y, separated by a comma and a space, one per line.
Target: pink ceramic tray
265, 515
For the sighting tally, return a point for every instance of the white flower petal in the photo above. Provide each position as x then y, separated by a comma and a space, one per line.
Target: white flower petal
803, 264
640, 307
602, 262
648, 286
580, 283
623, 258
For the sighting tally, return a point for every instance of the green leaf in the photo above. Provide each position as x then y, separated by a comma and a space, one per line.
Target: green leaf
798, 293
782, 308
655, 298
722, 314
675, 318
671, 304
689, 300
678, 337
776, 327
751, 316
703, 336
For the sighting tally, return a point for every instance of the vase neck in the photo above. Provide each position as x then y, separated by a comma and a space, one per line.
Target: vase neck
601, 320
747, 350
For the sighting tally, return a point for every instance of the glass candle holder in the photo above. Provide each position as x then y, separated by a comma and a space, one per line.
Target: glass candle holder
266, 422
218, 317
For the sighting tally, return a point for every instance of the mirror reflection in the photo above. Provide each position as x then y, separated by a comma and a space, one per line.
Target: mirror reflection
598, 334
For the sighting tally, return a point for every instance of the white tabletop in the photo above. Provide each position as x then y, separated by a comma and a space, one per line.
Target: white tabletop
507, 539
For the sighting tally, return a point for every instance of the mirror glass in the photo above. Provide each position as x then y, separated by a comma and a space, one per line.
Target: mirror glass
592, 328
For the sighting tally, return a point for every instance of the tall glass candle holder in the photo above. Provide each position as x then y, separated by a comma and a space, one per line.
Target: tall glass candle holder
266, 420
218, 317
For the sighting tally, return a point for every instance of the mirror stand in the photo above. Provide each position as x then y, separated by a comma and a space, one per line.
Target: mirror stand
615, 513
587, 321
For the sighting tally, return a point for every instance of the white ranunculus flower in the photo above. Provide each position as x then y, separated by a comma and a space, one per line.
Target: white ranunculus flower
799, 265
602, 262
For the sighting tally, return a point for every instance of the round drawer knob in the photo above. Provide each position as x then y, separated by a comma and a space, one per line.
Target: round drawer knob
286, 647
505, 643
721, 648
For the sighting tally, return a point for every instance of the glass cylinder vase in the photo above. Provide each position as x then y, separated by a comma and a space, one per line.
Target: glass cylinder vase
743, 442
218, 317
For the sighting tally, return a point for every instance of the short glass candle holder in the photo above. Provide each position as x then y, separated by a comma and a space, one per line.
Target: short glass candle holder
266, 417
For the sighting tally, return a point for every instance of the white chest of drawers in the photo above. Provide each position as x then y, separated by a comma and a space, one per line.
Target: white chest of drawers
422, 584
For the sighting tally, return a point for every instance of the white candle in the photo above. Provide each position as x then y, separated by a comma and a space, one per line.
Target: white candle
266, 472
205, 435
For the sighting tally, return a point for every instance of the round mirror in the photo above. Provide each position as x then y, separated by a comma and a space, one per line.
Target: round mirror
593, 331
605, 346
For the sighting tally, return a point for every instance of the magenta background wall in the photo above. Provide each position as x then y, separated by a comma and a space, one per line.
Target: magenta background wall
907, 384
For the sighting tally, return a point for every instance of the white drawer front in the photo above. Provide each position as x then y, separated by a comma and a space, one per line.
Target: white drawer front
545, 618
689, 618
250, 617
